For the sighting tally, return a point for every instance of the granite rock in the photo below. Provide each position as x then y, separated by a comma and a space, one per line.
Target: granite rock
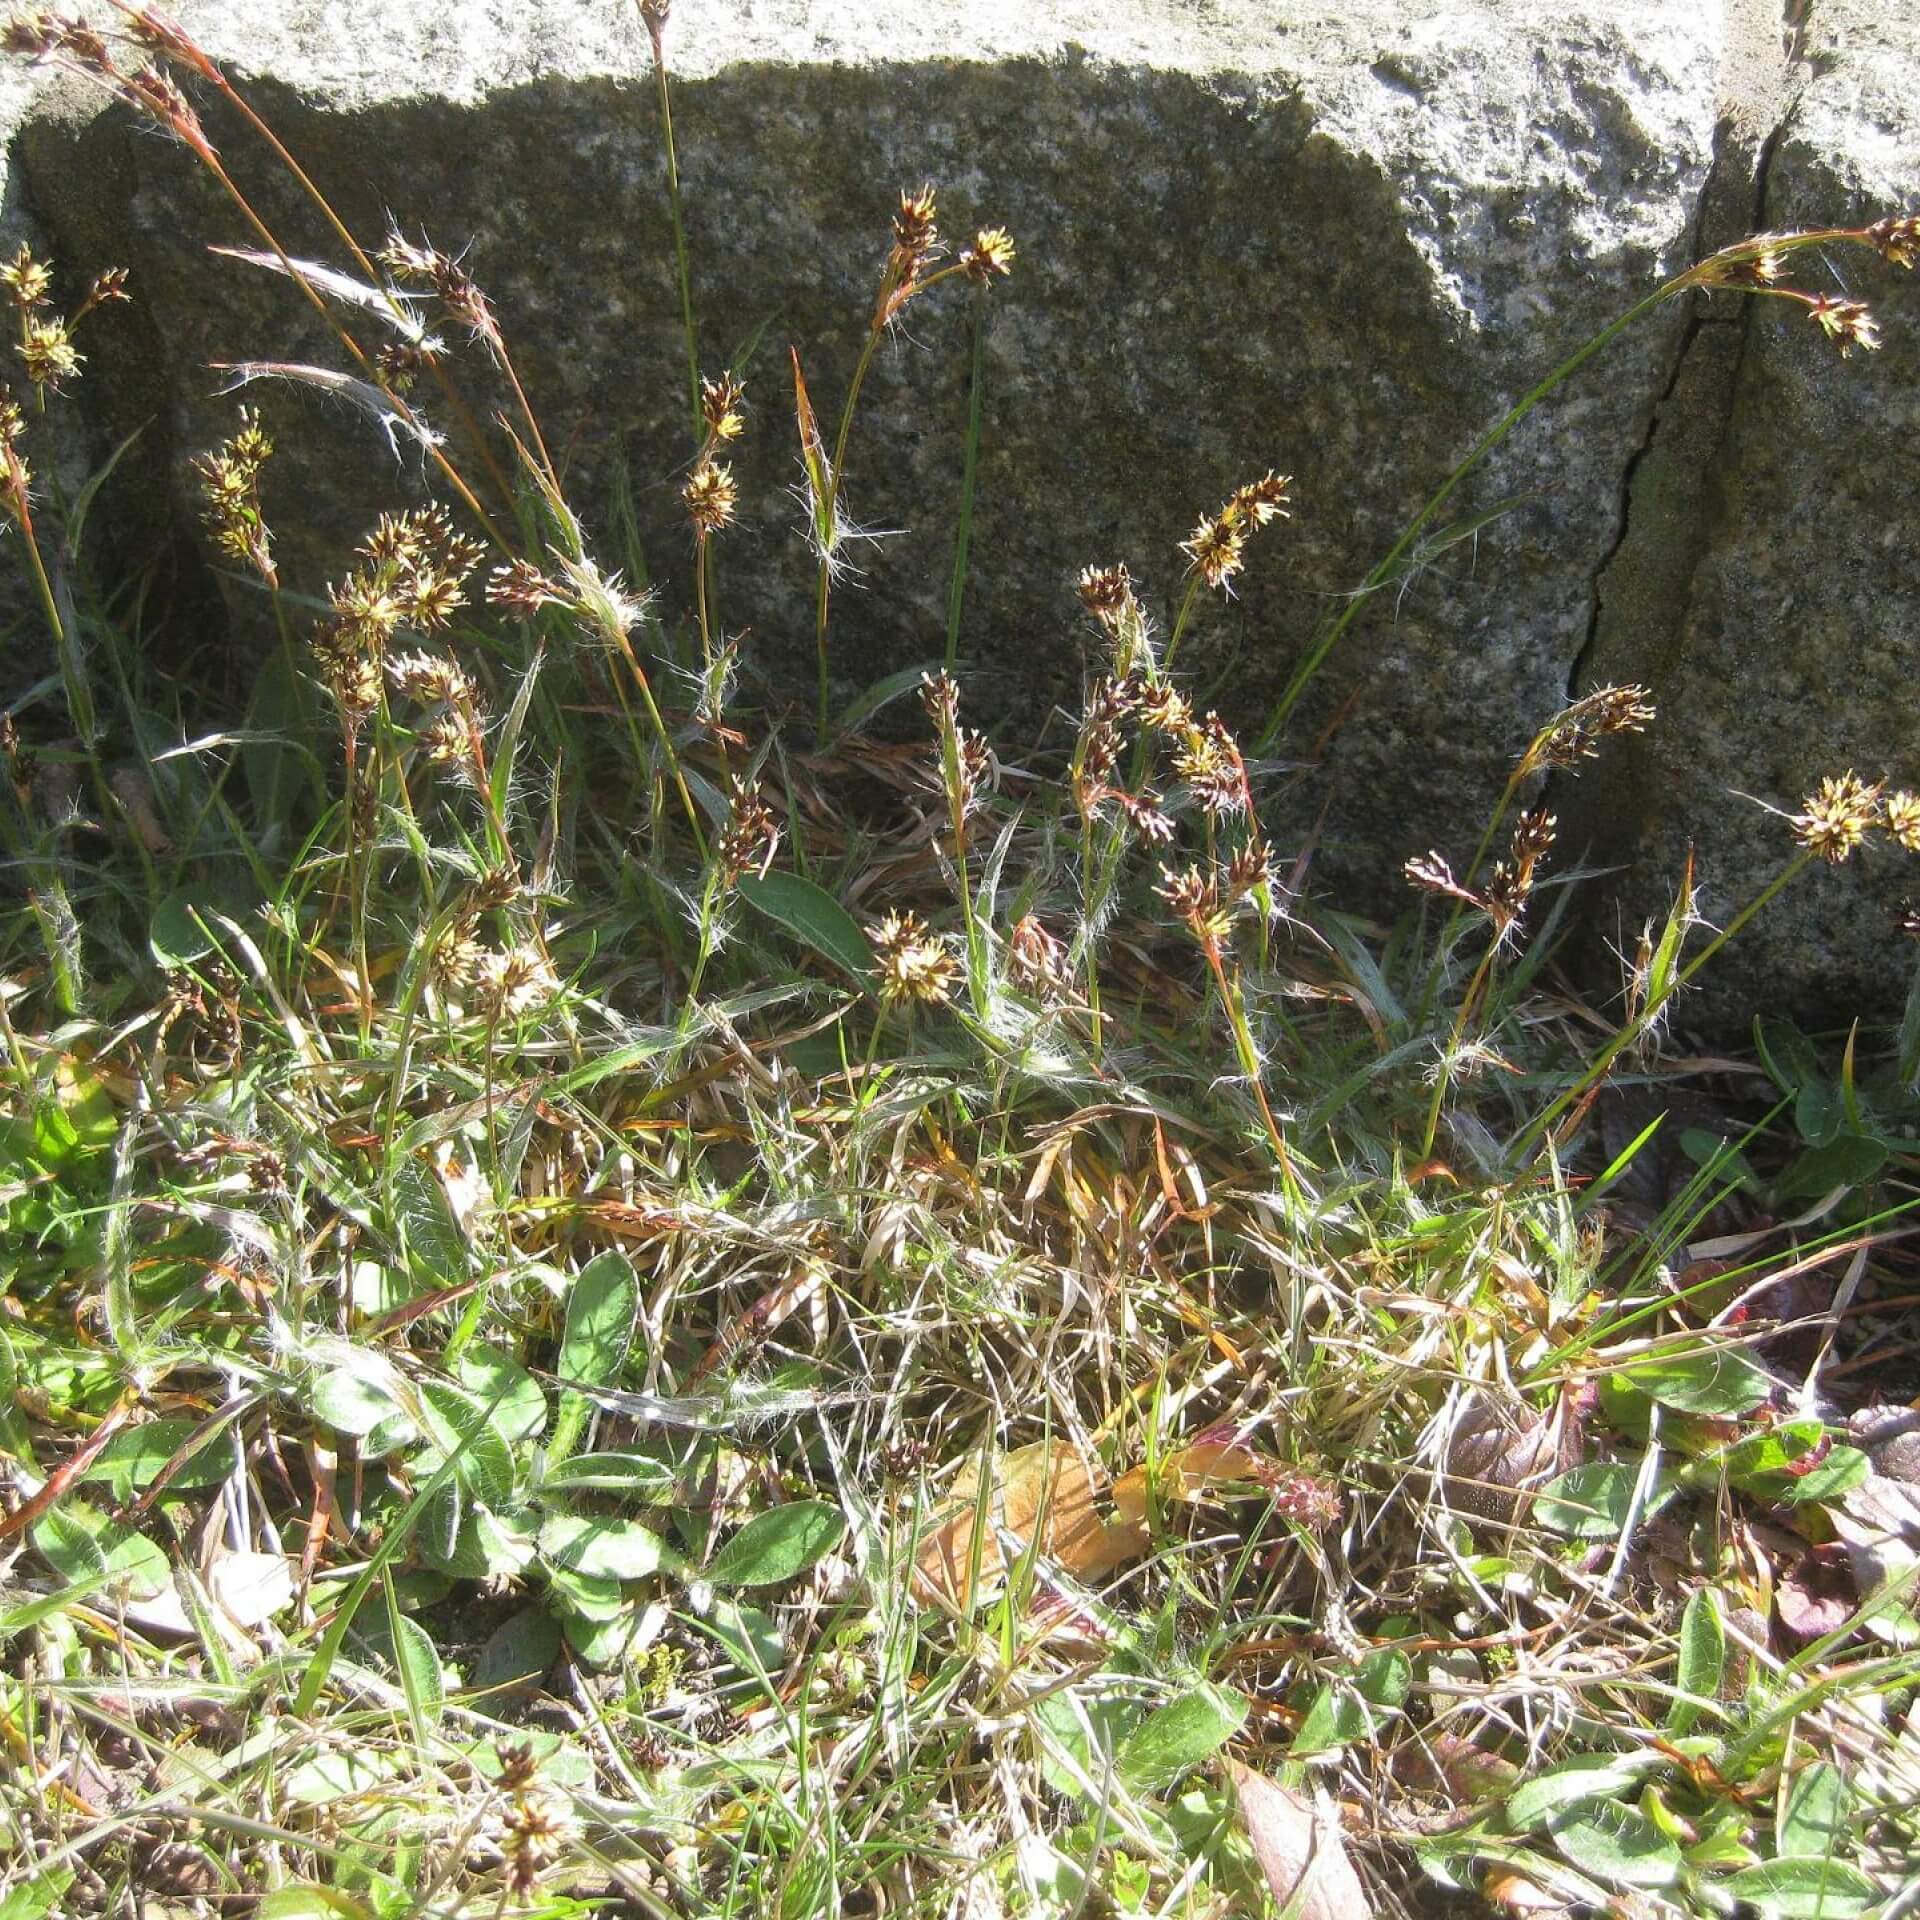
1333, 240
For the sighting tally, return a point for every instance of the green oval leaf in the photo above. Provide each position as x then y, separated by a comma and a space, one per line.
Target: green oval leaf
1589, 1503
1586, 1777
775, 1545
177, 938
461, 1426
610, 1549
502, 1383
1718, 1383
1180, 1735
1798, 1889
1618, 1844
1815, 1821
436, 1248
1703, 1657
814, 916
601, 1307
638, 1474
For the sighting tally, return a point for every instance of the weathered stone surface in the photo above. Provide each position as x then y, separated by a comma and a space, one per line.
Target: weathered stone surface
1768, 583
1330, 240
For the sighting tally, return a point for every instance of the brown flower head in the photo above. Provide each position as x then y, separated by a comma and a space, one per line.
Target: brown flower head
1036, 960
1846, 322
914, 963
940, 697
1431, 874
31, 34
1107, 593
26, 279
1145, 816
1898, 238
1195, 898
1217, 551
1250, 867
1165, 709
916, 240
1834, 821
710, 497
48, 350
230, 481
750, 838
991, 254
720, 407
522, 588
1901, 816
1575, 734
429, 678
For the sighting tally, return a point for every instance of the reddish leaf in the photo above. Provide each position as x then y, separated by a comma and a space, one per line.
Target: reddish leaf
1816, 1595
1300, 1850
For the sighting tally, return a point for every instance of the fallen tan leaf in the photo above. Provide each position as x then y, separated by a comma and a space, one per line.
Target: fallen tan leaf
1300, 1848
1042, 1493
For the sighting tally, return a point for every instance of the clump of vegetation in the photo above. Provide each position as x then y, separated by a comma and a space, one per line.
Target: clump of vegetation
713, 1350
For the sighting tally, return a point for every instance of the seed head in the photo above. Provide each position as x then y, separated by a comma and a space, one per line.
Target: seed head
230, 480
1195, 898
1897, 238
751, 836
1036, 960
1901, 817
1847, 322
1575, 734
1107, 594
710, 497
49, 352
990, 254
1834, 821
28, 280
522, 588
429, 678
914, 963
720, 407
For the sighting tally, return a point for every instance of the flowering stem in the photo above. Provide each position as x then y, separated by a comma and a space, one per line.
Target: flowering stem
665, 739
707, 898
1596, 1070
1443, 1074
1387, 568
969, 474
679, 236
828, 522
1180, 621
700, 589
1250, 1062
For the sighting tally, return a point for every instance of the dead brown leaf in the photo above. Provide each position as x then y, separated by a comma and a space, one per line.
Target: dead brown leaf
1044, 1493
1300, 1850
